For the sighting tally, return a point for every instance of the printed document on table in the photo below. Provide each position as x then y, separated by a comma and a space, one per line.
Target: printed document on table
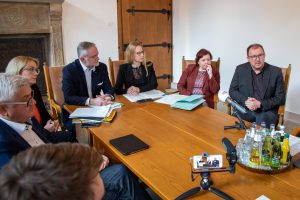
91, 112
171, 99
152, 94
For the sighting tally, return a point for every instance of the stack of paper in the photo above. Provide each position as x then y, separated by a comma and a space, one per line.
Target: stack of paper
96, 113
152, 94
182, 101
189, 103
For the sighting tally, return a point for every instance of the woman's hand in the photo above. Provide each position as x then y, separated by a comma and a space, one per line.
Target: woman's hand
52, 126
209, 71
133, 91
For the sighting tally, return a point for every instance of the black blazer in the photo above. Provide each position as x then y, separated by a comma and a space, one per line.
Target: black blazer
12, 143
125, 79
74, 83
45, 116
241, 86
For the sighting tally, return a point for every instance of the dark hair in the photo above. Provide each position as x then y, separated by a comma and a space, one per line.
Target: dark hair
255, 46
52, 171
200, 54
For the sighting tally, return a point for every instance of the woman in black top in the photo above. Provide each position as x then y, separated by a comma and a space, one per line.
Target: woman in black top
137, 75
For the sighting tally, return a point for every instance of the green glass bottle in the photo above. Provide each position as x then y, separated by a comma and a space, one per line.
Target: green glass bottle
267, 150
275, 158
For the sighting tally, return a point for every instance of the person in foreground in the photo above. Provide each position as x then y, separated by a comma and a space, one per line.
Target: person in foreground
53, 171
137, 75
18, 130
259, 87
85, 78
200, 78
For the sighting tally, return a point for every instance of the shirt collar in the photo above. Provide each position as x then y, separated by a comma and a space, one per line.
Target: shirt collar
85, 67
18, 127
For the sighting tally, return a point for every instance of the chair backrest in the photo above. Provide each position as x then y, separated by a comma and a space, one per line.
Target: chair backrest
113, 69
286, 72
53, 78
214, 64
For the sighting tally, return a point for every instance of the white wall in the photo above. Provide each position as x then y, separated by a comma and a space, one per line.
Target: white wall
227, 27
90, 20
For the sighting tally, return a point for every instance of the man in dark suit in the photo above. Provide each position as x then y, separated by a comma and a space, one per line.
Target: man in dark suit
259, 87
85, 78
16, 109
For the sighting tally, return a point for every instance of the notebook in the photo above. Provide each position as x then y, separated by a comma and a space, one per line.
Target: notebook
129, 144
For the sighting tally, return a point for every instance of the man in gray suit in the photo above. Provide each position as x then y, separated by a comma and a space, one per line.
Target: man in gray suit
259, 87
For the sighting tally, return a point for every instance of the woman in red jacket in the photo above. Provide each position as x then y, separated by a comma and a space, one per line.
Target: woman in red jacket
200, 78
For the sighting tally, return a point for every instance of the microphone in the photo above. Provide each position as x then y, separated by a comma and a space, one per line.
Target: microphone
231, 153
224, 97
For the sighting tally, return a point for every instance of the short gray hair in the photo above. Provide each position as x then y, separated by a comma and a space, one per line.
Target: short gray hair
9, 86
83, 47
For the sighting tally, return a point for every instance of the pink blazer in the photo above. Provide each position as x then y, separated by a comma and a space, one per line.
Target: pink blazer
211, 86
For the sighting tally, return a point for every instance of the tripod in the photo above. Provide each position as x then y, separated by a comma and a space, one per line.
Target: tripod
205, 184
239, 125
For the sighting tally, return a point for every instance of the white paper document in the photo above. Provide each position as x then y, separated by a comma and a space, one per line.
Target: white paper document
171, 99
91, 112
152, 94
294, 145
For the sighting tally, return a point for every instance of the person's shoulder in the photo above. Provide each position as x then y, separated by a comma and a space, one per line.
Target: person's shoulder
72, 66
243, 65
124, 66
272, 67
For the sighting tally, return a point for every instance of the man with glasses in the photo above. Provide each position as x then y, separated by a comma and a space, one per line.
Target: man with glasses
86, 81
259, 87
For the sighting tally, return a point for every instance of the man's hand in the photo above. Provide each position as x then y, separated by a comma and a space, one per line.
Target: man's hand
252, 104
133, 90
105, 162
101, 100
52, 126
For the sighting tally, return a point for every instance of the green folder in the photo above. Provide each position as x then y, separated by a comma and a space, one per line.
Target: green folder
189, 103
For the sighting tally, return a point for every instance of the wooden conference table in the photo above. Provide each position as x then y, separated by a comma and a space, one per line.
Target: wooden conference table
176, 135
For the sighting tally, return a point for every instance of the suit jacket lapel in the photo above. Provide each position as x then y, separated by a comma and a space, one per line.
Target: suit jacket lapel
82, 77
266, 77
248, 77
95, 80
13, 137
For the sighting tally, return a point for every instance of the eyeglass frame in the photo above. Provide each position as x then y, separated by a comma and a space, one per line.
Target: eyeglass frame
20, 102
32, 69
254, 57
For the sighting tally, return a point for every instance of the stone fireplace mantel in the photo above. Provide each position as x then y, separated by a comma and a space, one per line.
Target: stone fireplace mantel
35, 17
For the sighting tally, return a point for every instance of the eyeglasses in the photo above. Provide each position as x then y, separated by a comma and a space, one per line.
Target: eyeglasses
27, 103
254, 57
140, 53
33, 69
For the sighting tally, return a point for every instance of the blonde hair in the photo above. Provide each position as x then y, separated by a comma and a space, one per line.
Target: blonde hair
17, 64
130, 51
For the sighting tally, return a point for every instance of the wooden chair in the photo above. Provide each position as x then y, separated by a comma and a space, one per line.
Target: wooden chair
214, 64
113, 69
286, 72
296, 132
53, 78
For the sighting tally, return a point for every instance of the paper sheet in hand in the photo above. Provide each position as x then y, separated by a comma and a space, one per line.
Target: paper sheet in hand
128, 144
189, 103
152, 94
91, 112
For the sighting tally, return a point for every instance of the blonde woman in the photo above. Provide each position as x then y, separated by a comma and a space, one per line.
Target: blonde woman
137, 75
28, 68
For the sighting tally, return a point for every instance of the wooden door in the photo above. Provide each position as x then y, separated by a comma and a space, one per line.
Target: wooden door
151, 23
